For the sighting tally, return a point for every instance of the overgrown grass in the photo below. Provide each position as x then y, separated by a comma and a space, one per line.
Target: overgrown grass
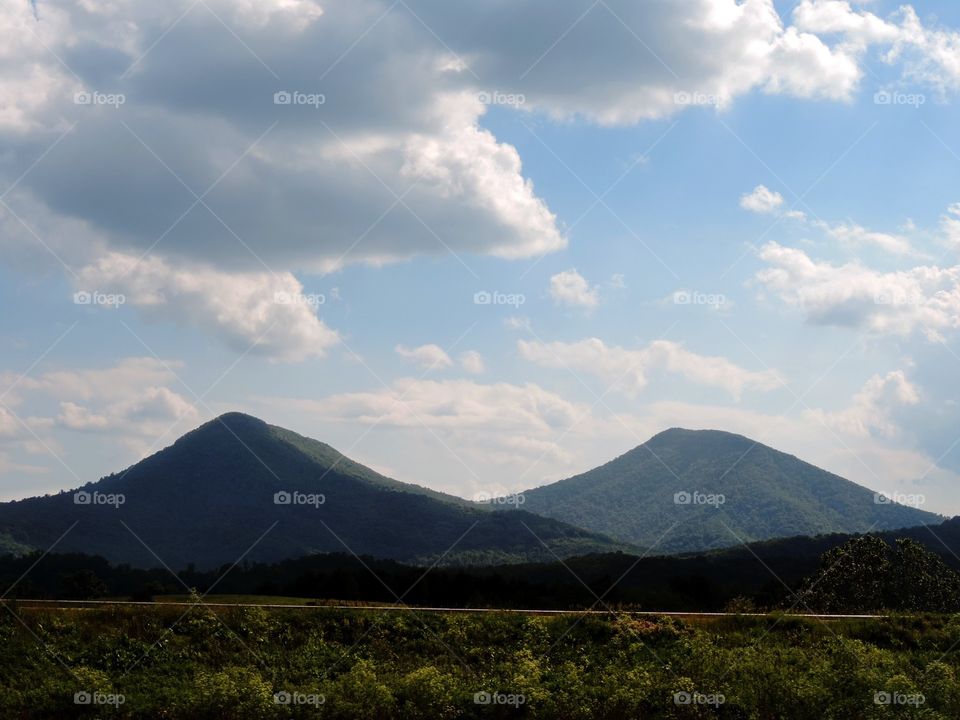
168, 662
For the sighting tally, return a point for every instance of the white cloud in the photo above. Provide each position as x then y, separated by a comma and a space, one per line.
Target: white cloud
114, 415
802, 65
298, 14
478, 436
870, 411
149, 411
859, 236
928, 55
923, 298
9, 426
76, 417
265, 313
428, 357
629, 369
391, 165
950, 226
468, 164
401, 116
837, 16
479, 428
130, 401
472, 362
457, 404
236, 306
517, 322
691, 49
114, 384
761, 200
570, 288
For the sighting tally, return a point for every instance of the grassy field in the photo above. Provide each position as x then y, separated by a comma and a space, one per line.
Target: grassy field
240, 662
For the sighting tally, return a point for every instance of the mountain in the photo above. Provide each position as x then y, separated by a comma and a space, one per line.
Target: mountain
208, 498
692, 490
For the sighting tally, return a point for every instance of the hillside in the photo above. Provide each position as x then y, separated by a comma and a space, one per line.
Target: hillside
210, 496
765, 494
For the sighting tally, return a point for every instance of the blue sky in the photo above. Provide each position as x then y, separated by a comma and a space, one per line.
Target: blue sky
776, 258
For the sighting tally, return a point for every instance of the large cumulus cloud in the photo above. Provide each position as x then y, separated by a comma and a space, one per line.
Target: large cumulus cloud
394, 161
381, 154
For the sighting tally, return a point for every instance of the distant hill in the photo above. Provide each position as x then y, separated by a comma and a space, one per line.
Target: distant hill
207, 499
666, 495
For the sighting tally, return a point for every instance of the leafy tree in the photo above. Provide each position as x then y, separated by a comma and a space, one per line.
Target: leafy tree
921, 581
866, 575
83, 585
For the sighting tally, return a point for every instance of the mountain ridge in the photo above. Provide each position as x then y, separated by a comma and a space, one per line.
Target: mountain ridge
216, 495
759, 492
201, 498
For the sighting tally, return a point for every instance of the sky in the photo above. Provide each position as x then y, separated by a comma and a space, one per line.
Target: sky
482, 246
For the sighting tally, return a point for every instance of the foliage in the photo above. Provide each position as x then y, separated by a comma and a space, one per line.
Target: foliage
764, 576
234, 664
866, 574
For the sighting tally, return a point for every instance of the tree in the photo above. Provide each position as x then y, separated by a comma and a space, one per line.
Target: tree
83, 585
867, 575
851, 577
920, 580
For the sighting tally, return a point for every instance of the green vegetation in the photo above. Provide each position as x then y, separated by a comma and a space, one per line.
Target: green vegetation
766, 494
233, 661
867, 574
830, 574
228, 663
208, 498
